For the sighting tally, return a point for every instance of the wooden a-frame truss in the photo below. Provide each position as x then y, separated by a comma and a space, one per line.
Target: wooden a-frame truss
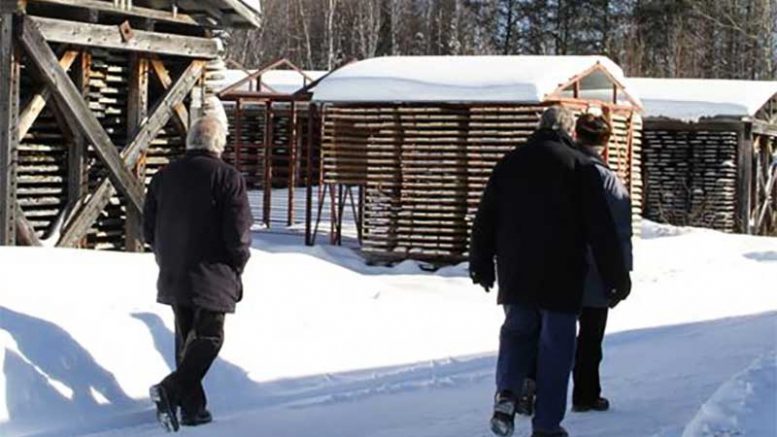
69, 101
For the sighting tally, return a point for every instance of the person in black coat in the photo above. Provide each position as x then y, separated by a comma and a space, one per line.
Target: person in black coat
592, 135
542, 207
197, 220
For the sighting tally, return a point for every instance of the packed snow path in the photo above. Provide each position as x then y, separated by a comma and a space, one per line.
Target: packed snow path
325, 346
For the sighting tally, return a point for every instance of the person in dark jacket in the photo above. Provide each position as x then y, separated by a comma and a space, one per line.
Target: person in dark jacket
542, 207
592, 135
197, 220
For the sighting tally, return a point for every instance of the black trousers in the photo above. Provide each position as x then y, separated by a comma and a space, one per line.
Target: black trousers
587, 388
199, 335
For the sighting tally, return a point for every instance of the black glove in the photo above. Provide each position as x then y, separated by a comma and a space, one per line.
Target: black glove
621, 292
484, 278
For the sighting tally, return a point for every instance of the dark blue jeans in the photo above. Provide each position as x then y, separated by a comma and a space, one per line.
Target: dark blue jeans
532, 336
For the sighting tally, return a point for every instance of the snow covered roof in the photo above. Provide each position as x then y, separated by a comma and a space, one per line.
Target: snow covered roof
236, 11
693, 99
279, 81
527, 79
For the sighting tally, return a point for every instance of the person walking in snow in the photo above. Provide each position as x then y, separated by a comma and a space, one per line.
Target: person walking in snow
592, 135
542, 207
197, 220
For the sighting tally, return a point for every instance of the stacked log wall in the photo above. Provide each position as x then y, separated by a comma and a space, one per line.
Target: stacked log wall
691, 177
424, 169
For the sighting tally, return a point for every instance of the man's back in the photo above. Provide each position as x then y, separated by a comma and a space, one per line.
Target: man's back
535, 218
198, 223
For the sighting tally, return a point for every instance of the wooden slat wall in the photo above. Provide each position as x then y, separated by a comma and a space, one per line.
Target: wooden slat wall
42, 167
251, 157
424, 169
691, 177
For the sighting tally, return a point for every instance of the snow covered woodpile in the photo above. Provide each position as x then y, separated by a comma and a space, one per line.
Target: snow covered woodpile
268, 118
95, 97
421, 135
710, 148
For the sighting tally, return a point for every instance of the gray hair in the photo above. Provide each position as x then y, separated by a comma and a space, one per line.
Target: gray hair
558, 118
207, 133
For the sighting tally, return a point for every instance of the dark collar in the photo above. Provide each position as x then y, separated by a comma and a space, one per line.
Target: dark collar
201, 152
553, 135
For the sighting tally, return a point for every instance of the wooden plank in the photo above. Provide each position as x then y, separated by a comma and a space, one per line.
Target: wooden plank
76, 165
135, 11
39, 100
71, 102
88, 213
181, 119
109, 37
137, 111
9, 137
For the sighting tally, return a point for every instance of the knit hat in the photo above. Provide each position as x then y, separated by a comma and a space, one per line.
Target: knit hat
592, 130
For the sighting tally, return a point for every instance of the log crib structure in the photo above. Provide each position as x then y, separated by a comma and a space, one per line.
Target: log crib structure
95, 97
710, 153
409, 142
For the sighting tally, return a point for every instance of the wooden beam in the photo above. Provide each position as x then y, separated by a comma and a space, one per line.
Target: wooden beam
9, 137
251, 16
181, 119
25, 232
135, 11
77, 176
137, 111
109, 37
88, 212
744, 178
38, 101
71, 102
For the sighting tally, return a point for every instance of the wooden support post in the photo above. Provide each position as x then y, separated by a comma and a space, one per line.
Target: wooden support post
9, 136
291, 180
309, 176
268, 144
75, 108
76, 162
744, 177
137, 112
88, 213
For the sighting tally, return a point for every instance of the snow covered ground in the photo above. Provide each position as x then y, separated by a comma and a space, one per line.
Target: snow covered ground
325, 346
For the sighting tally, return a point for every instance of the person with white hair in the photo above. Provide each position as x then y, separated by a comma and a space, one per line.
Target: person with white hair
543, 206
197, 220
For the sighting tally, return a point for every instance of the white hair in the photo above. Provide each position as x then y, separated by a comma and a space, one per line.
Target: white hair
558, 118
207, 133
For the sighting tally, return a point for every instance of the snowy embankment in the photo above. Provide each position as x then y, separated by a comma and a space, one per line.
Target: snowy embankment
323, 345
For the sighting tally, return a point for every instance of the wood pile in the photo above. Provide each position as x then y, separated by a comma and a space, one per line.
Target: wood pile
691, 177
424, 168
42, 164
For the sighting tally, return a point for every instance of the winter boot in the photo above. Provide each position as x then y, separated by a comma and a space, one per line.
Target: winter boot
165, 409
200, 418
525, 405
560, 432
600, 404
502, 422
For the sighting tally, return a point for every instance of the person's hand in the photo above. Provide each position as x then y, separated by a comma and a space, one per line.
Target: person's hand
621, 292
484, 279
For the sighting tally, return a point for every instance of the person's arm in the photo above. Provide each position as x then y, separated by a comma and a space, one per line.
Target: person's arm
236, 222
482, 246
149, 213
619, 201
601, 233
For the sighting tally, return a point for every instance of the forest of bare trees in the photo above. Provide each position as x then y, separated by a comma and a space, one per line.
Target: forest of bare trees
734, 39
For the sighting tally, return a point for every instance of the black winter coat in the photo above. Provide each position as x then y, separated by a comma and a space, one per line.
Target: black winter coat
198, 221
542, 206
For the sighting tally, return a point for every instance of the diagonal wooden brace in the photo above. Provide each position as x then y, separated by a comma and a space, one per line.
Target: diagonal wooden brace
76, 109
88, 212
181, 119
38, 101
